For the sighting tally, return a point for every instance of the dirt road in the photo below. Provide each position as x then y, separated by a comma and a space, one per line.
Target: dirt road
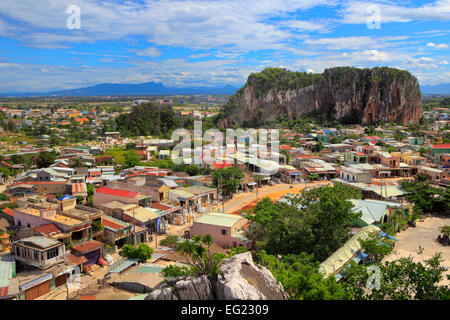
241, 200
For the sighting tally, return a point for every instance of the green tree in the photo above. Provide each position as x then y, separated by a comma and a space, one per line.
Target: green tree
131, 159
376, 246
401, 279
45, 159
426, 198
199, 256
193, 170
230, 178
320, 228
300, 277
142, 252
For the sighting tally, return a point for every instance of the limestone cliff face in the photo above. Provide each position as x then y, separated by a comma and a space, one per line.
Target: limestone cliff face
350, 95
239, 279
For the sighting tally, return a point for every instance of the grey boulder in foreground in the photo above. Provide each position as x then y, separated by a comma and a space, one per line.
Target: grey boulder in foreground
239, 279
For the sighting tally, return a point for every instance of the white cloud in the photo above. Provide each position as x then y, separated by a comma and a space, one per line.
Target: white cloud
356, 12
149, 52
198, 24
437, 46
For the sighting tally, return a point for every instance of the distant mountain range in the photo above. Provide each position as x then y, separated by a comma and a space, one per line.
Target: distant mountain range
141, 89
443, 89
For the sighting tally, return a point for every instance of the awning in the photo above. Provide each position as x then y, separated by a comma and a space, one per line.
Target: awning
251, 183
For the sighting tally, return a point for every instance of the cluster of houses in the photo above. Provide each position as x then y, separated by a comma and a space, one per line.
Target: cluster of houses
71, 213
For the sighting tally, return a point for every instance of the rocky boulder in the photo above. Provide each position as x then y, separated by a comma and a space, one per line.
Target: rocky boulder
239, 279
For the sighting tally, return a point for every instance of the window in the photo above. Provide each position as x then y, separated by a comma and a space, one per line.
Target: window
52, 253
224, 232
35, 255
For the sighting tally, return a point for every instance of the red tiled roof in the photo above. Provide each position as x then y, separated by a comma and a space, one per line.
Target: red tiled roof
9, 212
47, 229
3, 291
221, 165
87, 246
6, 164
74, 260
306, 156
39, 182
441, 146
157, 173
117, 192
360, 154
111, 224
285, 147
160, 206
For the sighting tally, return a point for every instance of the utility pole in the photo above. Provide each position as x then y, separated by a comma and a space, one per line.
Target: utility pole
134, 228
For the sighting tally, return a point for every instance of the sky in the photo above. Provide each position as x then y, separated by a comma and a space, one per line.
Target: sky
50, 45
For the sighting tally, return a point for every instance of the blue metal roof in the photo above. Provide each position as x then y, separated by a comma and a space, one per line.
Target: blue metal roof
66, 197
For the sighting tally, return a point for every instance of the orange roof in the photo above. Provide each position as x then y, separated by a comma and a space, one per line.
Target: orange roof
74, 260
47, 229
87, 246
9, 212
441, 146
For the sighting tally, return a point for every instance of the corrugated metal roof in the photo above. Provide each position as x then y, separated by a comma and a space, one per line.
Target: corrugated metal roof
219, 219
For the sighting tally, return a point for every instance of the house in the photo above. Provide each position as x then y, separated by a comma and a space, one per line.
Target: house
355, 175
433, 174
40, 252
116, 231
388, 159
104, 195
9, 284
351, 250
355, 157
227, 230
91, 250
39, 187
438, 149
37, 211
372, 211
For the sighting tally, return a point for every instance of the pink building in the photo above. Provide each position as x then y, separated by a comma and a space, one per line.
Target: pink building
104, 195
227, 230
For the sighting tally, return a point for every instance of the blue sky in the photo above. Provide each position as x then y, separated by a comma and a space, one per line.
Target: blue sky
215, 42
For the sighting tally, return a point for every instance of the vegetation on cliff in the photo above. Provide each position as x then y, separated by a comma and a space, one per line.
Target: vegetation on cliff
333, 89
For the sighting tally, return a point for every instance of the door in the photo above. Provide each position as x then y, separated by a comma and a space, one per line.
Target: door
92, 257
37, 291
61, 280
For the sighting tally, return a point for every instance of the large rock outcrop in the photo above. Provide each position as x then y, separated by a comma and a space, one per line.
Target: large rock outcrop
239, 279
350, 95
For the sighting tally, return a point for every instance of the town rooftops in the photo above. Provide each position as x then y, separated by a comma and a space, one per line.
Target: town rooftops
48, 229
117, 192
87, 246
441, 146
113, 205
219, 219
113, 224
39, 241
57, 218
9, 212
143, 214
74, 260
